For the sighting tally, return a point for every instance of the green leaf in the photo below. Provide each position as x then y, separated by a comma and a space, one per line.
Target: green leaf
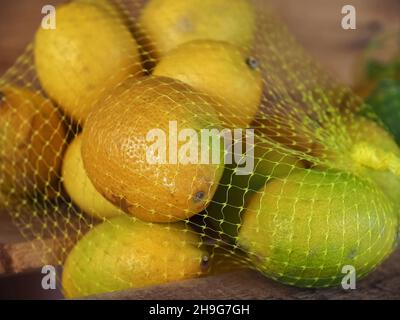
385, 101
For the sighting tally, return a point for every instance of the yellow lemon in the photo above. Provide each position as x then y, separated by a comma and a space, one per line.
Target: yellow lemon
169, 23
219, 69
134, 142
88, 53
80, 188
126, 253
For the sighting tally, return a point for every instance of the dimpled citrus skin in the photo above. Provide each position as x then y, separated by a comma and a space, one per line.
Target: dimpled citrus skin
169, 23
80, 188
124, 253
303, 229
114, 150
32, 137
355, 130
375, 135
221, 70
361, 130
75, 65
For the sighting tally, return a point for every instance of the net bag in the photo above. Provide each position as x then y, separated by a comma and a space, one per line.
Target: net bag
144, 142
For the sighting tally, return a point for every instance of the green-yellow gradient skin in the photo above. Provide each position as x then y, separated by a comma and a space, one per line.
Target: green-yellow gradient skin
127, 253
303, 229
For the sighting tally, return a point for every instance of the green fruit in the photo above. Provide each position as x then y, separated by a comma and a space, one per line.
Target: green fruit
376, 155
364, 148
126, 253
235, 191
303, 229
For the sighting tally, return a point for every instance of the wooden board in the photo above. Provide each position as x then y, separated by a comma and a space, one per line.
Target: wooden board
20, 253
316, 24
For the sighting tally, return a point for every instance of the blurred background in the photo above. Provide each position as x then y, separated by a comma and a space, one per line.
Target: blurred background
316, 24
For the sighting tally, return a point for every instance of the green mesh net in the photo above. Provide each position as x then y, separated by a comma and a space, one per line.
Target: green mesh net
78, 110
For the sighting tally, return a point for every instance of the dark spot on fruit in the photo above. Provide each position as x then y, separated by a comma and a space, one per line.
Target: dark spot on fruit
185, 24
252, 63
312, 253
2, 98
352, 253
205, 262
199, 196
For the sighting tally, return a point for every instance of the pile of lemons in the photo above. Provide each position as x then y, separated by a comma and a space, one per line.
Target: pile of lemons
191, 61
180, 61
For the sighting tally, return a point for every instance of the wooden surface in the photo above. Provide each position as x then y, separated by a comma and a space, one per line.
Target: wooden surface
18, 254
316, 24
22, 254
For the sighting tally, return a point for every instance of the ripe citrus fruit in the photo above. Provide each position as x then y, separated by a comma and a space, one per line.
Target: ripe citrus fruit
224, 214
365, 148
302, 230
80, 188
169, 23
88, 53
117, 149
221, 70
32, 137
127, 253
